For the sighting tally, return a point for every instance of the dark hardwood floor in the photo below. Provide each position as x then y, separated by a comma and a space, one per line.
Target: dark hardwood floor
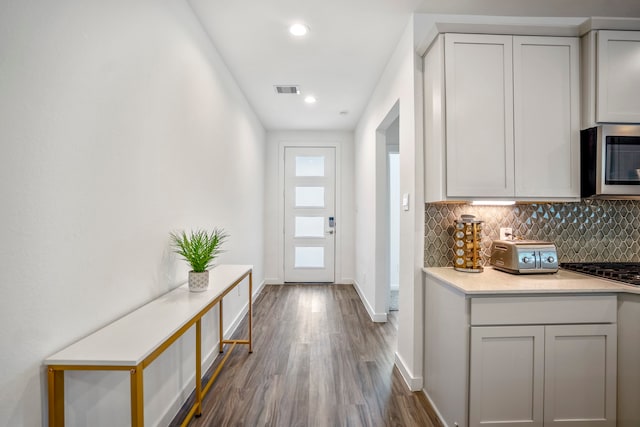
318, 360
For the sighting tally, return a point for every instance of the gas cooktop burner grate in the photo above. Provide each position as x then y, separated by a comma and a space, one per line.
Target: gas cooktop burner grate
627, 272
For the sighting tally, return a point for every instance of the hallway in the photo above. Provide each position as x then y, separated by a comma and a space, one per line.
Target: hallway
318, 360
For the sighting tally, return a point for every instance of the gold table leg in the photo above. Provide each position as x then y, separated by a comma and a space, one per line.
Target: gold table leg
250, 309
198, 368
137, 398
221, 344
55, 380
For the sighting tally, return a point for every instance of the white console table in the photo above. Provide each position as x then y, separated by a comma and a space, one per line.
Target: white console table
132, 342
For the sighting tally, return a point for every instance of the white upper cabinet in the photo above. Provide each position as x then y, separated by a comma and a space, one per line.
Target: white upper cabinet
618, 77
546, 116
479, 115
512, 119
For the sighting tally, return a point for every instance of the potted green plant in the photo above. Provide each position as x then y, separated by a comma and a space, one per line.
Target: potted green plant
199, 248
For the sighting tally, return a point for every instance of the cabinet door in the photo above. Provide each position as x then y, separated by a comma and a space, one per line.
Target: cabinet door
628, 387
618, 82
580, 375
546, 116
506, 376
479, 115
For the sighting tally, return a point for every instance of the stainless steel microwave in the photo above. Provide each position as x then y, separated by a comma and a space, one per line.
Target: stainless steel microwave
610, 161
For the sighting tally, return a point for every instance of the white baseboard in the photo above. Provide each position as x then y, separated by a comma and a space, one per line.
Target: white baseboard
435, 408
375, 317
414, 383
210, 357
256, 292
272, 281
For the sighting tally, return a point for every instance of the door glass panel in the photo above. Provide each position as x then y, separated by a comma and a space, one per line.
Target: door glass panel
309, 197
309, 226
309, 165
309, 257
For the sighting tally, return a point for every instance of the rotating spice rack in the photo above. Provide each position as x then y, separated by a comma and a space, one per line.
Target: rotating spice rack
466, 247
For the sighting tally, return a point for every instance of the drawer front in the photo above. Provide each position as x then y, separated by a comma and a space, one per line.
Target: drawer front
540, 310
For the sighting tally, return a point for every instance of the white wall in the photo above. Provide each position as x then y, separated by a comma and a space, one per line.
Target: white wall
400, 83
118, 123
274, 202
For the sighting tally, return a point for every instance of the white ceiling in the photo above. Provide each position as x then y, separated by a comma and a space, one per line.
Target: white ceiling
342, 58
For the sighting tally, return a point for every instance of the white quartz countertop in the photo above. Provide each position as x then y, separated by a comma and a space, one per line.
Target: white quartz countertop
492, 281
130, 339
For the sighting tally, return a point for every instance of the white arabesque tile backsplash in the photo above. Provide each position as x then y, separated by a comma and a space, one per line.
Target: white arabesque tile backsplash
590, 230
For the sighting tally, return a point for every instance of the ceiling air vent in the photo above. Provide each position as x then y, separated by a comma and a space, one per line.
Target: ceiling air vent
287, 89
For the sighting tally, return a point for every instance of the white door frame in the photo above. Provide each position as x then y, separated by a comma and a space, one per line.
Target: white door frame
338, 207
381, 298
391, 149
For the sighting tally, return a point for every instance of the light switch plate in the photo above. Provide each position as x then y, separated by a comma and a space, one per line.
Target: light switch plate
405, 201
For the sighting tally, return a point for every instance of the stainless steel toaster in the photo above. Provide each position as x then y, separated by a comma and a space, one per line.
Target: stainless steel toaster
524, 256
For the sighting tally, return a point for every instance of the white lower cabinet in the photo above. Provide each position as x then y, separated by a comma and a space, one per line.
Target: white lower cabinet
529, 359
628, 396
580, 375
506, 376
543, 375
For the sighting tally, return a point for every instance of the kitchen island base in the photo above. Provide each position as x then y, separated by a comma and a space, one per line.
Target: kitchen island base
531, 358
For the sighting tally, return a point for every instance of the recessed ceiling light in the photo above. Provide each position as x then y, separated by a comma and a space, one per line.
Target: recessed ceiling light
298, 30
310, 99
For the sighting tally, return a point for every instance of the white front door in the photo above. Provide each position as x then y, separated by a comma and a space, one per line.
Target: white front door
309, 214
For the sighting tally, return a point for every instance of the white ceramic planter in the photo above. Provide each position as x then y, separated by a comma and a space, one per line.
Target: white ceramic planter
198, 282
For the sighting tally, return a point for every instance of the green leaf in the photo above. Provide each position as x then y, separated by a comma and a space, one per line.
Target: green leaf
200, 247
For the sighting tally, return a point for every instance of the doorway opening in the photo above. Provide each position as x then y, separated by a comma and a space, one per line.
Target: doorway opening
393, 197
388, 212
393, 159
